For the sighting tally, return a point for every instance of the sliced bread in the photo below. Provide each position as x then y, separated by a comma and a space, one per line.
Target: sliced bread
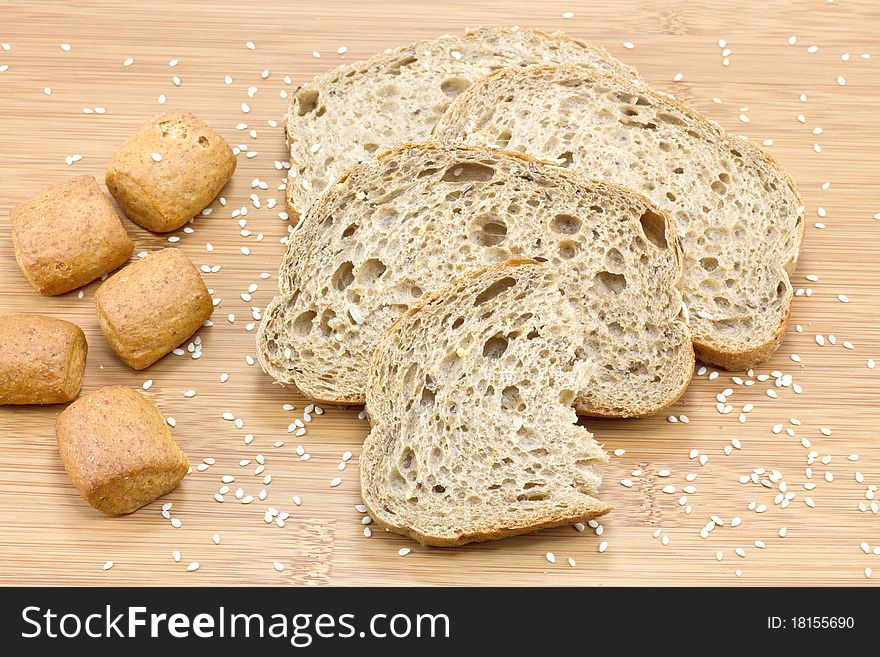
420, 216
470, 396
361, 109
738, 214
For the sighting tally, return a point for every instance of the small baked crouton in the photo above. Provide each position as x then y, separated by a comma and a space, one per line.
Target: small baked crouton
67, 236
151, 306
118, 451
41, 360
169, 170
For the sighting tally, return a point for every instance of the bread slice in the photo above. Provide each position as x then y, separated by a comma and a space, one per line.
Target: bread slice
470, 395
420, 216
738, 214
361, 109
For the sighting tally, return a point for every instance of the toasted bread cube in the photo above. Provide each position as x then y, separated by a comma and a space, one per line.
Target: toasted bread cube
151, 306
41, 360
67, 236
169, 170
118, 451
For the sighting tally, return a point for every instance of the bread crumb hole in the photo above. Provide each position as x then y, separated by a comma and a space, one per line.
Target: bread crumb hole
371, 270
565, 224
494, 290
489, 231
454, 86
654, 228
468, 172
343, 276
307, 101
302, 325
495, 347
614, 282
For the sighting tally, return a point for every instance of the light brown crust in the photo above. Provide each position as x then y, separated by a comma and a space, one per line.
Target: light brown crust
151, 306
707, 352
118, 451
67, 235
42, 360
591, 508
162, 196
740, 361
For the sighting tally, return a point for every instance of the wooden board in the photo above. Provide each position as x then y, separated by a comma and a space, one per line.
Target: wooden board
50, 536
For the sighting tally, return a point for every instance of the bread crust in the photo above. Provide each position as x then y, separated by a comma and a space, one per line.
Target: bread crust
42, 360
708, 350
67, 235
151, 306
118, 451
161, 196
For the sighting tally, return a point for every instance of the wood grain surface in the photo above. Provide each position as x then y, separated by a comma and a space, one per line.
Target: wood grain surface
50, 536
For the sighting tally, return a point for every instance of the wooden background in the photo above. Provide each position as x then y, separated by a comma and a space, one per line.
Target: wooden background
50, 536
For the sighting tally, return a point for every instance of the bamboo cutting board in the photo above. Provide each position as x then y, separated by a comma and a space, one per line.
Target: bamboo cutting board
50, 536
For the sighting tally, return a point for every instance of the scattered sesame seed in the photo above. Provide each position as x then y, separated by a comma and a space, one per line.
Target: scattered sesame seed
107, 565
603, 546
405, 551
194, 566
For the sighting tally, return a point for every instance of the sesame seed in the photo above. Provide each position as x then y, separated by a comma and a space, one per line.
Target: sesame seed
335, 482
192, 567
405, 551
107, 565
603, 546
249, 45
278, 566
157, 157
678, 77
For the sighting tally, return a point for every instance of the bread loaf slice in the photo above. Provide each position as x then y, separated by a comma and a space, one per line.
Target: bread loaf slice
420, 216
361, 109
470, 395
738, 214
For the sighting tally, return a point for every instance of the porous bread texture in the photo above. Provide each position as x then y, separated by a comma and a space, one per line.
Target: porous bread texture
418, 217
474, 437
361, 109
738, 214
